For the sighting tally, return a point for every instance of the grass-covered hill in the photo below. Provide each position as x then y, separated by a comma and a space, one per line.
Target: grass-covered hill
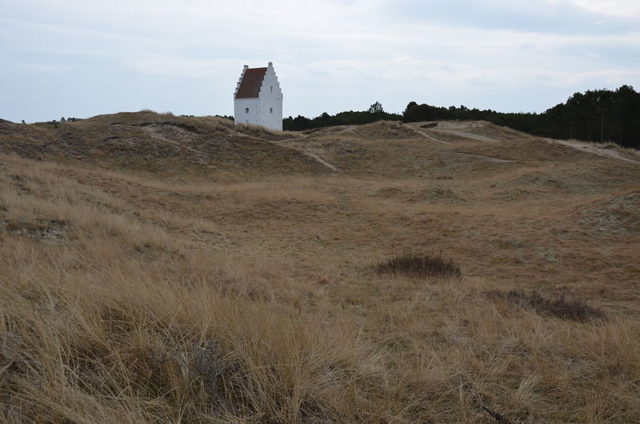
168, 269
594, 116
156, 142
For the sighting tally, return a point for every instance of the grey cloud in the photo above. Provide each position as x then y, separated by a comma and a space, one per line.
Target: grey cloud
560, 17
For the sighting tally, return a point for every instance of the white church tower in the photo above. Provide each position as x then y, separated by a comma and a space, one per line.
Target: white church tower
258, 98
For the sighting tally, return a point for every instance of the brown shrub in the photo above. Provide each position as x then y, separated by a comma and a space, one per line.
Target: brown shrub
573, 310
420, 266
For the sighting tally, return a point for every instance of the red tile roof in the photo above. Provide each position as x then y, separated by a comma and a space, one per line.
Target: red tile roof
251, 83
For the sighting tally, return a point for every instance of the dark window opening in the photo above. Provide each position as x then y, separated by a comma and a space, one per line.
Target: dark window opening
246, 110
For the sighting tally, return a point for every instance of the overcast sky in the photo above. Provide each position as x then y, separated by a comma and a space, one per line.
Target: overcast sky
81, 58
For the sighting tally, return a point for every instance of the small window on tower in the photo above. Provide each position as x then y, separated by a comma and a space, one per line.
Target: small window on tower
270, 110
272, 88
246, 110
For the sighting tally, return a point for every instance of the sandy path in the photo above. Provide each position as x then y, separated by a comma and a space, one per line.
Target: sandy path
472, 136
592, 148
425, 135
321, 161
487, 158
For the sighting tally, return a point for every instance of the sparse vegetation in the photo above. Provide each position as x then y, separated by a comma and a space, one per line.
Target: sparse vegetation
188, 270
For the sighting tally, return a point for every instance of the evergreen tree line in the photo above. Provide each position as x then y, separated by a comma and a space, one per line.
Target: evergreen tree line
373, 114
597, 116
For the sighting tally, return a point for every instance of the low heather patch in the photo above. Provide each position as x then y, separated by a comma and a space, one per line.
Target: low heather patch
420, 266
573, 310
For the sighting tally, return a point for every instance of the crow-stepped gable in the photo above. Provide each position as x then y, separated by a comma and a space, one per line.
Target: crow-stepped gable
258, 98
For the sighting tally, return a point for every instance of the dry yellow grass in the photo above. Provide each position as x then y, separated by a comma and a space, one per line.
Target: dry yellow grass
130, 296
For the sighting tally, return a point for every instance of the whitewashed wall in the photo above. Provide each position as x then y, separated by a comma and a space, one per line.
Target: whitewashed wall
240, 114
271, 100
266, 110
